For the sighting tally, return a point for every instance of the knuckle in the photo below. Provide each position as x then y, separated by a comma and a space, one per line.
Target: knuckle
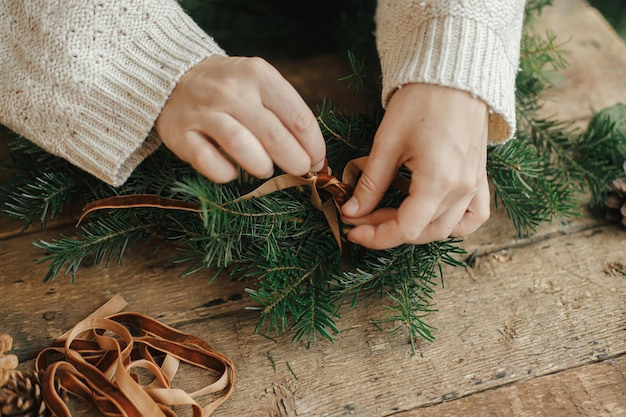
223, 90
367, 184
442, 234
411, 236
472, 222
467, 185
257, 65
237, 139
303, 122
274, 136
447, 181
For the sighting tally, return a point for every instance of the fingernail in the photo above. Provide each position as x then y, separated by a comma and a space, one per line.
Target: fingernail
351, 207
318, 167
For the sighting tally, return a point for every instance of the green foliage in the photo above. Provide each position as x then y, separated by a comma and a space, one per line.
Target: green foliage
100, 242
35, 196
279, 243
601, 151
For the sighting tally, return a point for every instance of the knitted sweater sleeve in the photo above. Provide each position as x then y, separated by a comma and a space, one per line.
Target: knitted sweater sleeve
472, 45
86, 80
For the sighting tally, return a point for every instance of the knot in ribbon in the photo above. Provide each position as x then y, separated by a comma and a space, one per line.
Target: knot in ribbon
328, 194
323, 180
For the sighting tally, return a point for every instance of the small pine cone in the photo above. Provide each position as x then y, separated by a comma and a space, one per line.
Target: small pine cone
615, 203
20, 391
20, 395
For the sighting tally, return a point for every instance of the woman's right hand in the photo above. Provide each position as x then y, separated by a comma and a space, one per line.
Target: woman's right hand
231, 112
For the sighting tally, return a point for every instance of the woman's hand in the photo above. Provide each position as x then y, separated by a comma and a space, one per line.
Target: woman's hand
440, 135
230, 112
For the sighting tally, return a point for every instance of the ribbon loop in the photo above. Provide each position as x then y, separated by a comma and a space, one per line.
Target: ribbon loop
102, 373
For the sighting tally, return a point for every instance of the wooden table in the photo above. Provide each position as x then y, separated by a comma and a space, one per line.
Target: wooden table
537, 327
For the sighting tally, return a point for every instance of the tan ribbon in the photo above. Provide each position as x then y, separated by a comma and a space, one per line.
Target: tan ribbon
99, 356
328, 194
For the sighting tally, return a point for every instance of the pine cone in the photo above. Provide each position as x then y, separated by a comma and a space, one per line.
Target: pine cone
20, 394
616, 200
20, 391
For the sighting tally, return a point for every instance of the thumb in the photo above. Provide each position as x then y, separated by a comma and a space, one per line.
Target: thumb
370, 188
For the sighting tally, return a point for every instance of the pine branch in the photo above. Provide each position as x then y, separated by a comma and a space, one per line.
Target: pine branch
409, 311
100, 242
601, 151
295, 287
534, 8
38, 184
411, 284
40, 199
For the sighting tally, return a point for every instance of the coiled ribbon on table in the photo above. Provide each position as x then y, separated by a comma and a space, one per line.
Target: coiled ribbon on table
97, 359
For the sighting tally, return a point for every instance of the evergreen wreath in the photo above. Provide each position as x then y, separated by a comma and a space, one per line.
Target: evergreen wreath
282, 245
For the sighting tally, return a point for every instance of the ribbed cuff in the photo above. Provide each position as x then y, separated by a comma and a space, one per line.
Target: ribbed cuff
115, 119
459, 53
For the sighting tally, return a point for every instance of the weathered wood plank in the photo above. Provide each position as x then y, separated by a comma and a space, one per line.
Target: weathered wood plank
532, 311
594, 390
35, 312
596, 75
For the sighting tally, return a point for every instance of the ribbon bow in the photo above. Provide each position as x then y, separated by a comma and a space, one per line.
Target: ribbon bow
328, 194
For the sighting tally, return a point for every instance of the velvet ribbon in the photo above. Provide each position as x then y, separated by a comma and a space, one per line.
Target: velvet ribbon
328, 194
98, 359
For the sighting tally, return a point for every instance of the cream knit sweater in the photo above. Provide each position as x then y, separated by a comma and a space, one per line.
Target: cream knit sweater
86, 79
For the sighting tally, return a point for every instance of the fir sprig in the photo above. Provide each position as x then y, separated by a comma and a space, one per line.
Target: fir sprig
31, 195
293, 290
408, 312
601, 151
100, 242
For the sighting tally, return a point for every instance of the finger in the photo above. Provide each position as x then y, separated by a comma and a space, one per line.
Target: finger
477, 212
371, 186
411, 218
279, 143
239, 143
374, 218
282, 99
441, 227
195, 149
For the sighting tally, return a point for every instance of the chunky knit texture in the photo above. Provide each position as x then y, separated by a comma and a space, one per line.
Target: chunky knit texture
87, 79
472, 45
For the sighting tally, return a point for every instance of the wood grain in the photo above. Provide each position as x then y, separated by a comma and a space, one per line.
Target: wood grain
531, 311
592, 390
